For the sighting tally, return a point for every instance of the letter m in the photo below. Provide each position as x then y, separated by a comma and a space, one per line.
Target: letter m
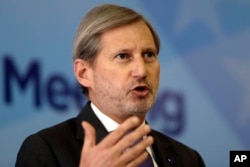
12, 75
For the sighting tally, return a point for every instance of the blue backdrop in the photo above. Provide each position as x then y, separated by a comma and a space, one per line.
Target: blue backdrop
204, 97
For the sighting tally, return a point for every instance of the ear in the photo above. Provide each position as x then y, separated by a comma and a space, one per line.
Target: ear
82, 72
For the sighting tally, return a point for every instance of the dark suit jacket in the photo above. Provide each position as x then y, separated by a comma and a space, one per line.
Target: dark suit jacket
60, 146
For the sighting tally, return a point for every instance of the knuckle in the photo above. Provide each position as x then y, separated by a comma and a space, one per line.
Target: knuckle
129, 140
121, 131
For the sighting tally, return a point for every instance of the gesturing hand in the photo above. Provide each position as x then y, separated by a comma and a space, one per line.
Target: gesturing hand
117, 149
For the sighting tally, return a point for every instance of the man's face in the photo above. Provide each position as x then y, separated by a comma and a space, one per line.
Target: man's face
125, 75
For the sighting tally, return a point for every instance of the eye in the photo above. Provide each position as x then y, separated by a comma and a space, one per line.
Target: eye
122, 56
149, 55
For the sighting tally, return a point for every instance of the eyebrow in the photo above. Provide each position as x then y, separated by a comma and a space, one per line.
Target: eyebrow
143, 50
150, 49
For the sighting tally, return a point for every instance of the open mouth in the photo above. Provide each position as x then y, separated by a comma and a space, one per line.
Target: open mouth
141, 90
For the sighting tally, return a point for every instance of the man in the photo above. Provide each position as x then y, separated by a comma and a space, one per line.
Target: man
116, 64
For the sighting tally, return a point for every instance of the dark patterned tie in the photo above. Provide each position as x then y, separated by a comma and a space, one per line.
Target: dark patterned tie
148, 162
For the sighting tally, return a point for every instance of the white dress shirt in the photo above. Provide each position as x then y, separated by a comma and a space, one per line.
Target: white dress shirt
111, 125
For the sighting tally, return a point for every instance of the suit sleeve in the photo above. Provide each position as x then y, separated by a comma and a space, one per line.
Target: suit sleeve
35, 152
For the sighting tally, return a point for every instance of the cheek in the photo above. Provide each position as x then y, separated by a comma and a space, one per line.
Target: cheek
155, 72
114, 76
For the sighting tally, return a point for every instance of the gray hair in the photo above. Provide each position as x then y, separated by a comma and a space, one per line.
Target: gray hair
87, 43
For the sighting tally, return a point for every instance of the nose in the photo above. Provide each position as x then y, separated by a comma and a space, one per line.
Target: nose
139, 69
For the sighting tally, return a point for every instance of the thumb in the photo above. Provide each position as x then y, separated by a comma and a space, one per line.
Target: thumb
89, 136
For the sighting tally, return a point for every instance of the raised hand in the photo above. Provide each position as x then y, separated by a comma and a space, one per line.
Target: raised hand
118, 148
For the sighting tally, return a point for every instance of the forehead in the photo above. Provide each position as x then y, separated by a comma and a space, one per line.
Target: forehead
137, 33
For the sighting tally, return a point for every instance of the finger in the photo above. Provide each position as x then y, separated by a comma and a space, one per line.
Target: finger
136, 154
132, 138
138, 160
128, 125
89, 137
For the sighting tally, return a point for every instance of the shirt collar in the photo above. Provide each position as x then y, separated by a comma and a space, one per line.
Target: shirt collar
107, 122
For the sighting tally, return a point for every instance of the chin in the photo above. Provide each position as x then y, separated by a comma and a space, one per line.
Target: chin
141, 109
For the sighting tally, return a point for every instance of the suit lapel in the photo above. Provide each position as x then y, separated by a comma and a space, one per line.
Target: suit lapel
88, 115
163, 151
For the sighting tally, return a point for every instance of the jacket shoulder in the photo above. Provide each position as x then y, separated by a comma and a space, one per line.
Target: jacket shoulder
53, 146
